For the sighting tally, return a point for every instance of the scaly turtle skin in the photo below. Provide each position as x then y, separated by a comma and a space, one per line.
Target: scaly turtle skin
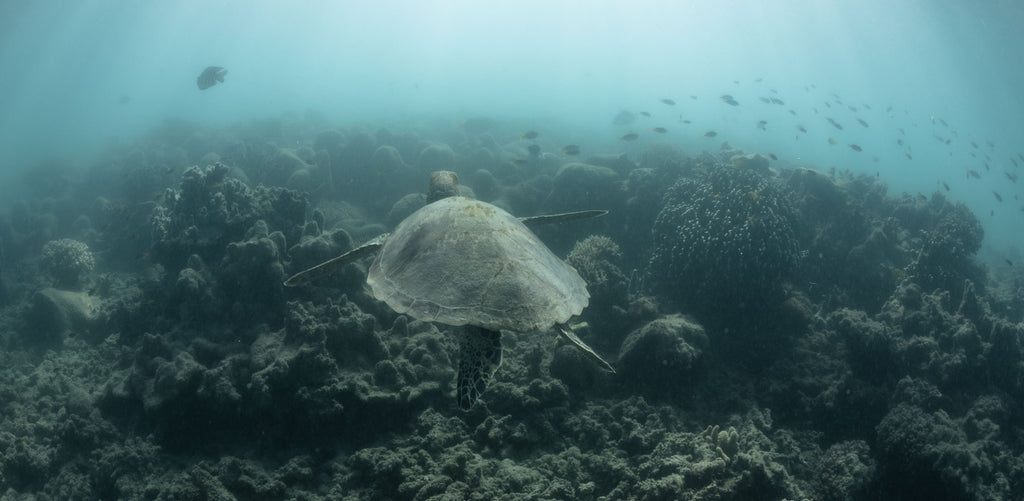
460, 261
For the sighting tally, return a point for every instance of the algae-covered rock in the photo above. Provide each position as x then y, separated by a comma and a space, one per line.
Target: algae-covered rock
752, 161
664, 355
55, 313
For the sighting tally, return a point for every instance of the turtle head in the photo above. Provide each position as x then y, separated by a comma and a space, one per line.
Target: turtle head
443, 184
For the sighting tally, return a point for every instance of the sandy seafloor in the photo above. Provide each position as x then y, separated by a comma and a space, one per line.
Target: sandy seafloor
778, 333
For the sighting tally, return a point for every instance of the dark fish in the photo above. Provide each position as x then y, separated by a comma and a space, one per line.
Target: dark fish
888, 109
1008, 262
832, 141
1014, 162
629, 137
801, 129
761, 124
571, 149
764, 100
862, 122
902, 132
684, 121
852, 108
907, 153
710, 133
693, 97
998, 196
944, 185
668, 102
731, 102
530, 134
1021, 157
791, 112
854, 147
210, 76
974, 144
899, 142
987, 168
834, 123
772, 156
990, 143
866, 106
534, 150
659, 130
943, 122
972, 173
949, 141
645, 114
778, 101
624, 117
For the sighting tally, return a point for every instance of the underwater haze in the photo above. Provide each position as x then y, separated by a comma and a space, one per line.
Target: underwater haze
85, 74
781, 258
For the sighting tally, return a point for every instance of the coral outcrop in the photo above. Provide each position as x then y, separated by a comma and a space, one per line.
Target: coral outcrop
724, 241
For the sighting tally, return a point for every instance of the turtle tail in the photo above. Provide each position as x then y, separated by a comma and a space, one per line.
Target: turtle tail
479, 358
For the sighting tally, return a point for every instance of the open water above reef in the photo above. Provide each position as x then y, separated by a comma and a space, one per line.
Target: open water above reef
807, 280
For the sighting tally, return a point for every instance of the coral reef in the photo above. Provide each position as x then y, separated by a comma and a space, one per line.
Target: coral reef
597, 259
66, 261
954, 235
724, 242
578, 185
849, 344
844, 472
211, 210
436, 157
486, 185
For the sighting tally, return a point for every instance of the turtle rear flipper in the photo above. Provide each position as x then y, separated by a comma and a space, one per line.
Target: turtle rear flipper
561, 218
571, 336
479, 358
334, 265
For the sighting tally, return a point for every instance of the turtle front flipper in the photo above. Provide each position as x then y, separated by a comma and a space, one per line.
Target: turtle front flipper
571, 336
561, 218
479, 358
334, 265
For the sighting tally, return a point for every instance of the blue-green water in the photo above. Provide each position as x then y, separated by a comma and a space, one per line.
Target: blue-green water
79, 76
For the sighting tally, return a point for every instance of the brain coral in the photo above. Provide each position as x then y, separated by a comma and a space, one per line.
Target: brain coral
723, 239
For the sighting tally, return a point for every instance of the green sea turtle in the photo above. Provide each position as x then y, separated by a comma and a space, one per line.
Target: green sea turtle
460, 261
